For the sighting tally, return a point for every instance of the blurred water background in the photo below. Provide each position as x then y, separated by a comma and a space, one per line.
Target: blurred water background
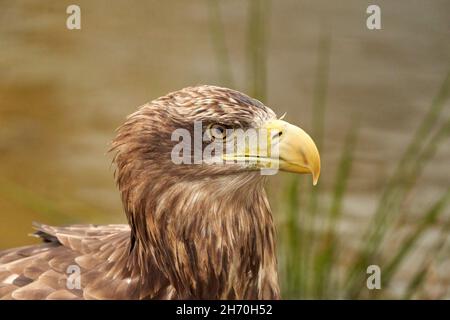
63, 93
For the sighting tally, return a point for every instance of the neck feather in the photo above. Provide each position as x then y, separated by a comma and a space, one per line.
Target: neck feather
211, 237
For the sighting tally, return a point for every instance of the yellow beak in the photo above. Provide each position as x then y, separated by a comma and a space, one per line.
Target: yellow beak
288, 148
297, 151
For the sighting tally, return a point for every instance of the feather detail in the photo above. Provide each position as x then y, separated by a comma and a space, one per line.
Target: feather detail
194, 231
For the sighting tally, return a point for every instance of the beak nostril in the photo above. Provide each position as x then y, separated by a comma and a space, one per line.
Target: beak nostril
277, 135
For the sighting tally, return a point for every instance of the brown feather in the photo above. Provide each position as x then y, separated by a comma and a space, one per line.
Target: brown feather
195, 231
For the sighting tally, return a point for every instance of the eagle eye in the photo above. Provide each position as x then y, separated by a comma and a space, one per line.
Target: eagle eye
217, 132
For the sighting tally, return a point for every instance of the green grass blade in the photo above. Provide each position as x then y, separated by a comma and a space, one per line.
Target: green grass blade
319, 104
328, 249
219, 43
396, 188
407, 245
257, 35
318, 125
417, 281
293, 237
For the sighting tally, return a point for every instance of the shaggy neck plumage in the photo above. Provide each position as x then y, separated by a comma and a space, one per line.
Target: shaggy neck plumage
210, 237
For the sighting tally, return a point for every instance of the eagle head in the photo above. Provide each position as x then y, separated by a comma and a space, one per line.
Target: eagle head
193, 134
193, 193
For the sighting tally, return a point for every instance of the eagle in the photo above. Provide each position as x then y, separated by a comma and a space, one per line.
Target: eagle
196, 230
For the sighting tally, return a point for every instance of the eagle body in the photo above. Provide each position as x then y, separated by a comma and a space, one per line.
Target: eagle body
195, 231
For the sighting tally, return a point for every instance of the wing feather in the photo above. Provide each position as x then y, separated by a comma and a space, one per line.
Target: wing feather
101, 253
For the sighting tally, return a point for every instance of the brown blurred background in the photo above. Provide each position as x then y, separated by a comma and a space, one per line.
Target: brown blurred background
63, 92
